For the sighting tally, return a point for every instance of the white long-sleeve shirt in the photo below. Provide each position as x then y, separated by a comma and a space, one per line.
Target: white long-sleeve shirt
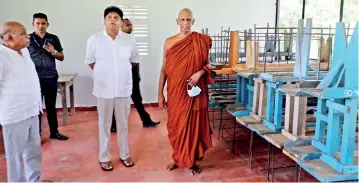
112, 72
20, 93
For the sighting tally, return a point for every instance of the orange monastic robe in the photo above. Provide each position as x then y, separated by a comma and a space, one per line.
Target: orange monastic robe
188, 124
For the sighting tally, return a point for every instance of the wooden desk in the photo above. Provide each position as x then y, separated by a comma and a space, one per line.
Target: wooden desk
66, 80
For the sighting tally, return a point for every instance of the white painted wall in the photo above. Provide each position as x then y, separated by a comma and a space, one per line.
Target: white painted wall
73, 21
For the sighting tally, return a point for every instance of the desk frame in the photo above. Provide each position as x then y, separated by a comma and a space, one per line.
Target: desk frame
62, 86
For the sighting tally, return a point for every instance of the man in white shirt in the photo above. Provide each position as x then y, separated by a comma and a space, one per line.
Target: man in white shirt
110, 54
136, 93
20, 105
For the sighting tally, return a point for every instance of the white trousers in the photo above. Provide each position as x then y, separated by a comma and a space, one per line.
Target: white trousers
105, 108
22, 141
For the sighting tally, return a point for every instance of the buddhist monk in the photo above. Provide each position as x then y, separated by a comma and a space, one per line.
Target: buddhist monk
185, 66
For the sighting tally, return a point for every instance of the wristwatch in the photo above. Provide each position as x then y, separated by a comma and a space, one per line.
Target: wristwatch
55, 53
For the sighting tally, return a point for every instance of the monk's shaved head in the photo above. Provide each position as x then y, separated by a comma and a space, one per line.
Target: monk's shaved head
185, 20
186, 11
14, 35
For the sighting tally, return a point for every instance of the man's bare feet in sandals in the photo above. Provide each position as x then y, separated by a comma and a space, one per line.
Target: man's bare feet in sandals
127, 162
172, 166
106, 166
195, 170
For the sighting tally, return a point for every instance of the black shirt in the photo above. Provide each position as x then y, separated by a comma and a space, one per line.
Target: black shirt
44, 61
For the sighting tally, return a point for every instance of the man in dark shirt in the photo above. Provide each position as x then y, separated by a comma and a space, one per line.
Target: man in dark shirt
136, 94
44, 48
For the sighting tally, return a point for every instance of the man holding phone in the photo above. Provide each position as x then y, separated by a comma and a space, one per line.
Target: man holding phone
44, 49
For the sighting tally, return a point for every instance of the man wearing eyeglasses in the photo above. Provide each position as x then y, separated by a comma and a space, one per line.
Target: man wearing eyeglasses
44, 49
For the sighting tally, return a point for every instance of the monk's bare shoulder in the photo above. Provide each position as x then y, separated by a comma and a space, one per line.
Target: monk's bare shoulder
170, 41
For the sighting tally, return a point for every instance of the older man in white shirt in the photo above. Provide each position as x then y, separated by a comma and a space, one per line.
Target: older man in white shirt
20, 104
110, 54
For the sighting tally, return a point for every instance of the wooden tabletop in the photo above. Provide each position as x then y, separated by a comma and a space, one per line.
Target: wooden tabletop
66, 77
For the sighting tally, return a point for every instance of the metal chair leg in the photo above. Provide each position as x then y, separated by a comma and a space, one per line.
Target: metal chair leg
250, 151
269, 160
213, 120
234, 135
220, 124
272, 160
297, 175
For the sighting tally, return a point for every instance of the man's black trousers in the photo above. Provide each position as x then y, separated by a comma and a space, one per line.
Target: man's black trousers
49, 93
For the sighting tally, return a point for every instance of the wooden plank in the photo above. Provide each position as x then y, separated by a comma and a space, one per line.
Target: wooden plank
287, 40
289, 106
290, 155
219, 94
247, 73
66, 77
224, 96
255, 116
261, 129
251, 57
234, 48
302, 149
310, 134
307, 136
256, 96
277, 139
282, 66
225, 79
222, 90
233, 108
224, 71
326, 49
324, 172
299, 121
224, 101
302, 47
262, 108
221, 97
291, 89
246, 120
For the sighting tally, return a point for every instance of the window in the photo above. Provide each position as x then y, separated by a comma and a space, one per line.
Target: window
290, 11
324, 13
351, 13
139, 18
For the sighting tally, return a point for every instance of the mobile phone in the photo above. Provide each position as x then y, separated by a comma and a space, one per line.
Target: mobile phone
47, 41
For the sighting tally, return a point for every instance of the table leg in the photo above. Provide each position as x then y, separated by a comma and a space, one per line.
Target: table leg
72, 100
64, 106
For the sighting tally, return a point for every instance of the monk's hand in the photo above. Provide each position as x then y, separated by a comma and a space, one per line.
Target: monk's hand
161, 102
193, 80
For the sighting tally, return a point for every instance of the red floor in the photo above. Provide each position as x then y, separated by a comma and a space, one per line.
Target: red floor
77, 158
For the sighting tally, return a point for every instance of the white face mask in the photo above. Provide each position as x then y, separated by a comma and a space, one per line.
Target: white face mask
194, 91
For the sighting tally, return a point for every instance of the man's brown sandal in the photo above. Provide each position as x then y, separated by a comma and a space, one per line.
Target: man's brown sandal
106, 166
